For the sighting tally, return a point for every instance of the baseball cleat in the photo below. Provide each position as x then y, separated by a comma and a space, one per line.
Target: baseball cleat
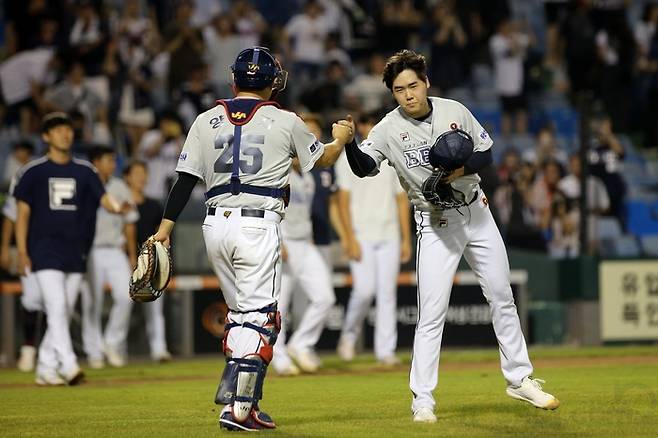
256, 421
346, 349
49, 378
307, 360
114, 357
287, 370
27, 358
96, 364
164, 357
389, 361
531, 391
424, 415
75, 377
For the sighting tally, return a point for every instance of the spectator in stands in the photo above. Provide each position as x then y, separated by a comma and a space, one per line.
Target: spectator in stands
205, 11
222, 46
184, 44
646, 79
326, 96
578, 33
367, 89
21, 153
605, 162
305, 36
160, 148
195, 96
555, 12
508, 50
249, 23
335, 52
564, 226
448, 40
398, 26
75, 94
22, 17
546, 148
543, 191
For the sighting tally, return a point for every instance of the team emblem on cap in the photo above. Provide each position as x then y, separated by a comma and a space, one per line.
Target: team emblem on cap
252, 68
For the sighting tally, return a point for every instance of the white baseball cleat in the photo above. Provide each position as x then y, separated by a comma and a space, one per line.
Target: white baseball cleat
307, 360
49, 378
114, 357
346, 349
389, 361
424, 415
74, 377
162, 357
530, 391
96, 363
27, 358
287, 370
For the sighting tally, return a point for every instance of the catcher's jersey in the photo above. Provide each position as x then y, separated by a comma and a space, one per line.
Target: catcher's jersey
405, 142
267, 144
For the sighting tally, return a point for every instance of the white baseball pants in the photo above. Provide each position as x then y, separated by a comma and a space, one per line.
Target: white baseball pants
106, 266
442, 239
155, 327
375, 275
59, 291
307, 268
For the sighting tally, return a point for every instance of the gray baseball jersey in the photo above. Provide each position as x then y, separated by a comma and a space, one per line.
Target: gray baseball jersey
297, 224
268, 142
109, 226
405, 142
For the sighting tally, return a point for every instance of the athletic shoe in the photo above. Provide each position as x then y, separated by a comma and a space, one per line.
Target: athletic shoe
49, 378
530, 391
346, 349
27, 358
75, 377
96, 363
114, 357
307, 360
256, 421
424, 415
286, 370
389, 361
162, 357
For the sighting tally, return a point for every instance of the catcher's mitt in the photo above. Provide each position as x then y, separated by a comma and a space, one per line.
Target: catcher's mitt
152, 273
442, 194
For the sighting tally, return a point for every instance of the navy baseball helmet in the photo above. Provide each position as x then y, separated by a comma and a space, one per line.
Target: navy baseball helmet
256, 68
451, 150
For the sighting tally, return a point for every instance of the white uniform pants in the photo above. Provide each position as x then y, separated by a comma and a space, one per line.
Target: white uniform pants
59, 292
244, 252
376, 274
31, 298
155, 327
442, 239
106, 266
305, 267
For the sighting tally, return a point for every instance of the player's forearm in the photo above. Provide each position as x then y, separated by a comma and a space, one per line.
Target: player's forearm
22, 220
110, 204
404, 217
331, 153
130, 233
477, 162
345, 214
334, 217
7, 229
179, 195
361, 163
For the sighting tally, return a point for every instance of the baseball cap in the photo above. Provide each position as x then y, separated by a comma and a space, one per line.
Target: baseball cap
51, 120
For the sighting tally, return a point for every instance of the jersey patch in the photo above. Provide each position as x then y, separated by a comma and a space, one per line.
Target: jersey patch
484, 134
183, 156
314, 147
61, 190
404, 136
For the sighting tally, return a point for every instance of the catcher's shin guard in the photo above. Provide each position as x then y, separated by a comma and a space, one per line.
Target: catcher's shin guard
251, 375
228, 384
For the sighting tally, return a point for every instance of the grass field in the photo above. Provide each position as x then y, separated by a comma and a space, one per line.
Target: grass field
609, 391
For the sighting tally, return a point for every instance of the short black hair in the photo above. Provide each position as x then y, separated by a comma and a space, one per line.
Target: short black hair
98, 151
52, 120
131, 165
25, 145
401, 61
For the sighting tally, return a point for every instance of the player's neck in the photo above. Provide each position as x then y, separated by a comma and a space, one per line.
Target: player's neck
251, 95
427, 111
138, 196
59, 156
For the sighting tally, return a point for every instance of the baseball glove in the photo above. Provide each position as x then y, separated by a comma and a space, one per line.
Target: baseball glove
442, 194
152, 273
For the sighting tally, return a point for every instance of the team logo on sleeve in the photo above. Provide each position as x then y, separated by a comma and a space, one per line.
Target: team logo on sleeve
404, 136
183, 156
484, 135
314, 147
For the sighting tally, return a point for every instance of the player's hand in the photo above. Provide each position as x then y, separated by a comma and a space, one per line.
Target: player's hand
354, 250
132, 258
405, 252
284, 253
126, 207
24, 264
343, 130
162, 236
457, 173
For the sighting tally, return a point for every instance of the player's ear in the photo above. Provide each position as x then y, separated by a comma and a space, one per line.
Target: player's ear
45, 137
427, 81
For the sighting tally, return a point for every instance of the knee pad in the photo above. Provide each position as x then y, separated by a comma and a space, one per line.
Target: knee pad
268, 332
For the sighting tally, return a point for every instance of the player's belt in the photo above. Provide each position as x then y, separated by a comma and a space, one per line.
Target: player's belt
248, 212
236, 188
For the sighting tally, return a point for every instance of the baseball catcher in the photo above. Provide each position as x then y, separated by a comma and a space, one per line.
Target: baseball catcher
449, 152
152, 273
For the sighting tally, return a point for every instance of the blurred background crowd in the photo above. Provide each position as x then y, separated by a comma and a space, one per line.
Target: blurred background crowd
133, 75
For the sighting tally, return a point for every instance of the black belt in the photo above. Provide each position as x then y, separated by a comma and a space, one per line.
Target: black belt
248, 212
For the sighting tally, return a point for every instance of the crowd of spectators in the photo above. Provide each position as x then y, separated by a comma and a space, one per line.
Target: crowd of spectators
134, 74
